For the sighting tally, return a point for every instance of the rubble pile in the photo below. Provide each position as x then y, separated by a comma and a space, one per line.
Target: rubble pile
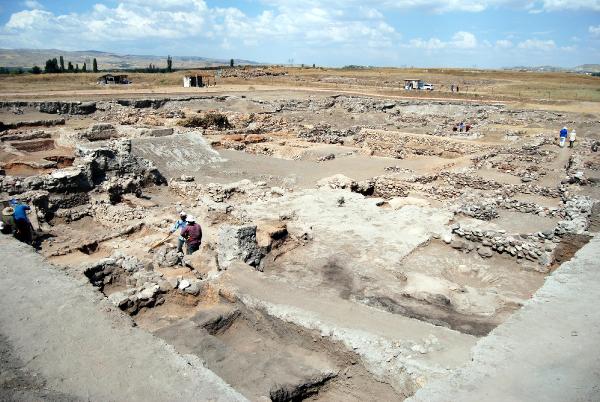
531, 247
144, 287
109, 169
323, 133
484, 212
311, 104
355, 104
238, 243
251, 72
339, 181
219, 193
99, 132
577, 211
575, 171
527, 162
484, 207
399, 146
107, 213
465, 180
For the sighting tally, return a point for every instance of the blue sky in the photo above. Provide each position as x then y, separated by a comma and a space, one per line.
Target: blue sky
424, 33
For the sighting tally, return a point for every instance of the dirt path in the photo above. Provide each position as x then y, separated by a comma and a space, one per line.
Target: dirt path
81, 347
129, 92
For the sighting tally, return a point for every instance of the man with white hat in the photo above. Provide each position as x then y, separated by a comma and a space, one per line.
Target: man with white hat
180, 225
572, 138
192, 234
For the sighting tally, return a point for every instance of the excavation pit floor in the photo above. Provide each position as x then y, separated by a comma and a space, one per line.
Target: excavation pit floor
354, 247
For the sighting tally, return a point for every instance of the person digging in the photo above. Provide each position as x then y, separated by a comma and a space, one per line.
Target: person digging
24, 229
180, 225
192, 235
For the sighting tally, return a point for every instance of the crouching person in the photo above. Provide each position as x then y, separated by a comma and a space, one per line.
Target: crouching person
192, 235
24, 230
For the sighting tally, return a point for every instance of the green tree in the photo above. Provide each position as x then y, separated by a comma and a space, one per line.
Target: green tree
84, 68
36, 70
231, 62
62, 64
95, 65
52, 66
77, 67
169, 64
70, 67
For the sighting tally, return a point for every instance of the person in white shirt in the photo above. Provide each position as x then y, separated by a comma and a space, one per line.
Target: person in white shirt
572, 138
180, 225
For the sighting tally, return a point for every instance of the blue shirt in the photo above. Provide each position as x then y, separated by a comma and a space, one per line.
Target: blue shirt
20, 213
180, 224
563, 133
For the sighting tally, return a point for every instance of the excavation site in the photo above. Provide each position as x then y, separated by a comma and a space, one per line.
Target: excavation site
355, 245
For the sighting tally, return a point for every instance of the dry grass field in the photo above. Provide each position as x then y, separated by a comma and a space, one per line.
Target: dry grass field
484, 85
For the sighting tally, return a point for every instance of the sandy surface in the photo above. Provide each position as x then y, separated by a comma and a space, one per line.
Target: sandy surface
65, 331
547, 351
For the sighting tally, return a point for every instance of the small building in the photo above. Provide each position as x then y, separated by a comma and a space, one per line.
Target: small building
113, 79
413, 84
199, 79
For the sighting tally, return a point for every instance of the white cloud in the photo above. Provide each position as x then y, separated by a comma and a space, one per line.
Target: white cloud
460, 40
33, 4
560, 5
464, 40
431, 44
536, 44
504, 43
355, 28
132, 20
443, 6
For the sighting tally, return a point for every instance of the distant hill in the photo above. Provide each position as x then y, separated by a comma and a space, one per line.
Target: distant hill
584, 68
590, 68
106, 61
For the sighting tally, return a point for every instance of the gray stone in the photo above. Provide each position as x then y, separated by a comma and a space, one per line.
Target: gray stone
119, 299
485, 252
148, 293
173, 282
132, 264
239, 243
158, 132
458, 244
194, 288
167, 257
165, 286
100, 131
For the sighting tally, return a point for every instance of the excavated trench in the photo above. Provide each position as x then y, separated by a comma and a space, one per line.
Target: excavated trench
261, 356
